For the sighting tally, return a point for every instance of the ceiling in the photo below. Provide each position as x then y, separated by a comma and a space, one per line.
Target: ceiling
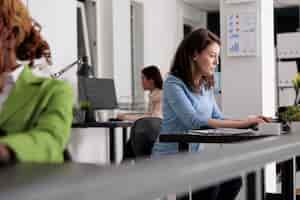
211, 5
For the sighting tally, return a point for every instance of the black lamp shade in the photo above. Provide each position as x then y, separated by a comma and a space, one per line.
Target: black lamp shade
84, 69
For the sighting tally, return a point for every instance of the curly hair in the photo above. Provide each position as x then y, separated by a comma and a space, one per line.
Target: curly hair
29, 44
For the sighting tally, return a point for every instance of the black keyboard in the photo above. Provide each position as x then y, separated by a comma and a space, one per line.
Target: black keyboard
114, 120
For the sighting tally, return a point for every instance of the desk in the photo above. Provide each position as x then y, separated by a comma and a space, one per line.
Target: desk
111, 126
183, 141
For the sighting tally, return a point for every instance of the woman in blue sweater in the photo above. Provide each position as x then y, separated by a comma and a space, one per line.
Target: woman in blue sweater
189, 103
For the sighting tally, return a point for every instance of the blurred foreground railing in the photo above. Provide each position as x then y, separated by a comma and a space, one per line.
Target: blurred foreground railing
150, 179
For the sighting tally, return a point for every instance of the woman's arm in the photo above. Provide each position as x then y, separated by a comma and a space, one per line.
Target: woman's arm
227, 123
132, 117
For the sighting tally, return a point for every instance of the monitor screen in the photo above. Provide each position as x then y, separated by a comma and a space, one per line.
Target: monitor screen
101, 93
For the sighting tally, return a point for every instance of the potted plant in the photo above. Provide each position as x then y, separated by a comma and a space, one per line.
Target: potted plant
89, 112
291, 116
82, 112
85, 105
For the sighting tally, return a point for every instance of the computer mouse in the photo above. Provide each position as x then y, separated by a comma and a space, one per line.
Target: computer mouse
254, 127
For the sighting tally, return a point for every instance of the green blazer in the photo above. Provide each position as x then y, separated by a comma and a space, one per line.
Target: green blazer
37, 117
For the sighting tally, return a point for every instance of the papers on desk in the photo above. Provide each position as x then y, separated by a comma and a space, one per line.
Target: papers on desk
223, 132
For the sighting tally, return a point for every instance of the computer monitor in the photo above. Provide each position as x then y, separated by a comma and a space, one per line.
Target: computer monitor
100, 93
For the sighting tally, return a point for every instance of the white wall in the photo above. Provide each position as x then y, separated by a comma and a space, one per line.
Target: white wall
104, 38
269, 84
113, 43
137, 35
163, 29
59, 28
122, 47
162, 32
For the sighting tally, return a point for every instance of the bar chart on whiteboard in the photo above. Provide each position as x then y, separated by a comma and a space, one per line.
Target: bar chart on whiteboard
242, 34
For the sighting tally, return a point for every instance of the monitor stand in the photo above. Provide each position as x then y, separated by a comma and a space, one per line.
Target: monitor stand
90, 116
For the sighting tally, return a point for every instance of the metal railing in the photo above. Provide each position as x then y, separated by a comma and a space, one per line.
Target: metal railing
150, 179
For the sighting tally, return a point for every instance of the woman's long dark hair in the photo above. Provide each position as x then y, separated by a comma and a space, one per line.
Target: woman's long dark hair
183, 63
152, 73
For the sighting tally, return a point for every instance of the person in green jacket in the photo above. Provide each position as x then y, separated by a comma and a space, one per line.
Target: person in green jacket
35, 112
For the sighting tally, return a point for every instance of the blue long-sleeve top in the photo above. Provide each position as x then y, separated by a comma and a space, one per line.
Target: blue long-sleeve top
184, 110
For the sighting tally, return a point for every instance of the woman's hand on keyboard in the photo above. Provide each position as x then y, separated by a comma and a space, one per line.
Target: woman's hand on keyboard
266, 119
255, 120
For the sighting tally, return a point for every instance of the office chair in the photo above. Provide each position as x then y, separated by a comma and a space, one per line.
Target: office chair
143, 135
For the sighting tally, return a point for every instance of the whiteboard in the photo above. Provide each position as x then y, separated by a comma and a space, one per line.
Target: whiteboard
242, 34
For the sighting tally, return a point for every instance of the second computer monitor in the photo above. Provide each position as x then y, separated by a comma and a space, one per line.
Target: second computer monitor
101, 93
